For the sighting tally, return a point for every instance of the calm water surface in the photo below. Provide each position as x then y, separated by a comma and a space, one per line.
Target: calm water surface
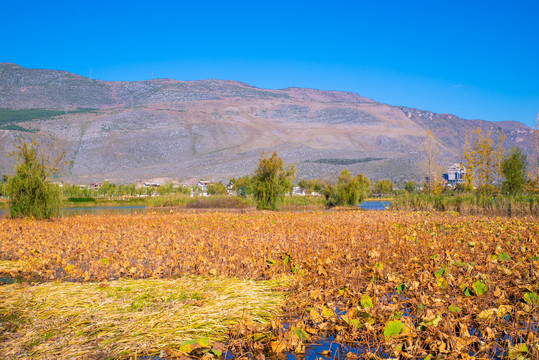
375, 205
100, 210
105, 210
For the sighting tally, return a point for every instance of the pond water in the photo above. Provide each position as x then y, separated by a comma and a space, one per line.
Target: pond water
98, 210
336, 350
375, 205
105, 210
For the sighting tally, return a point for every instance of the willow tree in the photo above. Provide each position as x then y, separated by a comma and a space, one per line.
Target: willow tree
483, 157
348, 190
384, 187
272, 180
30, 190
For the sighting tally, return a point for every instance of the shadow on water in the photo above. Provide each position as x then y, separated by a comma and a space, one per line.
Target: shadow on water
7, 280
319, 350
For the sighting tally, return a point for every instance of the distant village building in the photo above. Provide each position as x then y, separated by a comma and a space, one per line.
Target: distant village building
96, 186
298, 191
152, 184
204, 186
455, 175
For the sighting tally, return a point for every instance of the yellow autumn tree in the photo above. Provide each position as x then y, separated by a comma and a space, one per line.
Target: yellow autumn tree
431, 164
533, 175
483, 156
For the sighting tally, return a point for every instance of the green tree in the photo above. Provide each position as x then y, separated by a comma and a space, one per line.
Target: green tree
131, 189
183, 189
217, 189
71, 191
384, 186
30, 190
272, 180
165, 189
3, 185
107, 189
244, 185
410, 186
514, 171
311, 185
348, 190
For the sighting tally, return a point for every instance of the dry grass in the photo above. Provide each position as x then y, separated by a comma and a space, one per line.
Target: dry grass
7, 267
118, 319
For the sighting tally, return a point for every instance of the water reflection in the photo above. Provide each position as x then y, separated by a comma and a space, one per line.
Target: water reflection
106, 210
329, 349
99, 210
375, 205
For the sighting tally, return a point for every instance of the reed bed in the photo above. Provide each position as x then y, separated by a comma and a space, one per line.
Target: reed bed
304, 203
119, 319
200, 202
469, 204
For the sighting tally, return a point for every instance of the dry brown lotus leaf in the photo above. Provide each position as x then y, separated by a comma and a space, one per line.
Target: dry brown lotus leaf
278, 346
276, 325
177, 355
491, 334
315, 316
345, 244
316, 295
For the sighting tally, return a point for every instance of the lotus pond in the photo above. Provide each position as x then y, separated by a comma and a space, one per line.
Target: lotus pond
351, 283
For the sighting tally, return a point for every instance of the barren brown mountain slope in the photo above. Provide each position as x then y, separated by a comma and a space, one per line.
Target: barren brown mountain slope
218, 129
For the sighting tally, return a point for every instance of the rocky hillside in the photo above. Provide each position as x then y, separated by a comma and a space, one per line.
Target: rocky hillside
126, 131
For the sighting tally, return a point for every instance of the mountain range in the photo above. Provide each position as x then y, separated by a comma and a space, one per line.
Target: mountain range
126, 131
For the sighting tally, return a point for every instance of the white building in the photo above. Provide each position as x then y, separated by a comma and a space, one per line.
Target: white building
455, 174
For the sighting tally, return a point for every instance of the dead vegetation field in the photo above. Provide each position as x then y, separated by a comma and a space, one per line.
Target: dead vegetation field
399, 284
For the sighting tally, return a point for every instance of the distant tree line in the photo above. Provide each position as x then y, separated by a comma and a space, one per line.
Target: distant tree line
10, 117
111, 190
340, 161
273, 180
489, 170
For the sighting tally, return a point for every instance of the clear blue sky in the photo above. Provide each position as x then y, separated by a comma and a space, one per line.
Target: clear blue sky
475, 59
